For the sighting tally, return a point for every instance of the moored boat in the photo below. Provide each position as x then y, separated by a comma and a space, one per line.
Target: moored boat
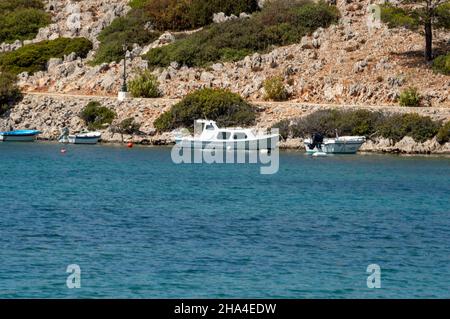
213, 137
19, 136
81, 138
337, 145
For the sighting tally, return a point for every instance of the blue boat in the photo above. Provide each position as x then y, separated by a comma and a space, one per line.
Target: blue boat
19, 136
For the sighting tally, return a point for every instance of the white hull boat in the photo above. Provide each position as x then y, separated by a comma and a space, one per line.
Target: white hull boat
82, 138
337, 145
19, 136
213, 137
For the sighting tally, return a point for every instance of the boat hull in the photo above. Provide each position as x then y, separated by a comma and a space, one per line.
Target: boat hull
83, 140
341, 148
267, 143
17, 138
336, 146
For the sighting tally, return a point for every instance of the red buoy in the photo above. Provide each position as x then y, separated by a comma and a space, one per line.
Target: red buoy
130, 145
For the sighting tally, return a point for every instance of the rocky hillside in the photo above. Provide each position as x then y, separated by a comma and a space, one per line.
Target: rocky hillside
353, 62
75, 19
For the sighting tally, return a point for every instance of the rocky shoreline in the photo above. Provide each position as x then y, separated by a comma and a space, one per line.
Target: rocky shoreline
382, 145
50, 113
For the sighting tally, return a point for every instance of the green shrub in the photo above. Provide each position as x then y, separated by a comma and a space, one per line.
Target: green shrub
34, 57
284, 129
21, 20
11, 5
123, 31
222, 106
396, 17
165, 122
233, 40
137, 4
128, 126
9, 92
410, 97
148, 18
359, 122
96, 116
22, 24
180, 15
145, 85
201, 11
275, 89
443, 136
441, 64
442, 14
366, 123
397, 126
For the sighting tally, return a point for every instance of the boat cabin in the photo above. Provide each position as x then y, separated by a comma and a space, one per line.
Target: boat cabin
210, 131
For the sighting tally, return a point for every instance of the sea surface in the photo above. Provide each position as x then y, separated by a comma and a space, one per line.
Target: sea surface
140, 226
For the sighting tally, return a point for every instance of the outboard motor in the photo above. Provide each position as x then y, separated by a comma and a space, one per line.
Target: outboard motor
316, 141
64, 134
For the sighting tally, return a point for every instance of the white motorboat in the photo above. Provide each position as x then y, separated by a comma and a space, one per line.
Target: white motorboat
19, 136
210, 136
81, 138
337, 145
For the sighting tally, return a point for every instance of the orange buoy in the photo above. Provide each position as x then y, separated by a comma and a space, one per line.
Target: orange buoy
130, 145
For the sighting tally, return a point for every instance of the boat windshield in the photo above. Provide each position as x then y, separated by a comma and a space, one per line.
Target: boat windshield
223, 135
240, 136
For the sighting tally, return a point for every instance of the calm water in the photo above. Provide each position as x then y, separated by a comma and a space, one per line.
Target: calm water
140, 226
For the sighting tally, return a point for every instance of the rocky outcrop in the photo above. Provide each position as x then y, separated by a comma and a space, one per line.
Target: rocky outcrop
72, 18
81, 18
222, 17
353, 62
405, 146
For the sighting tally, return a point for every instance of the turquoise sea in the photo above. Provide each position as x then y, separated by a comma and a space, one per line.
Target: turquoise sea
140, 226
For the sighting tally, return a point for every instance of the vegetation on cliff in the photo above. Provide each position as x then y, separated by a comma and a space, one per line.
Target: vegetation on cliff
410, 97
441, 64
145, 84
148, 18
362, 123
275, 89
34, 57
21, 19
124, 31
279, 23
178, 15
443, 136
222, 106
9, 92
417, 14
97, 116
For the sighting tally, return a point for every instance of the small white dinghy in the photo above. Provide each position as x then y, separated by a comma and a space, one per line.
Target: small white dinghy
338, 145
81, 138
